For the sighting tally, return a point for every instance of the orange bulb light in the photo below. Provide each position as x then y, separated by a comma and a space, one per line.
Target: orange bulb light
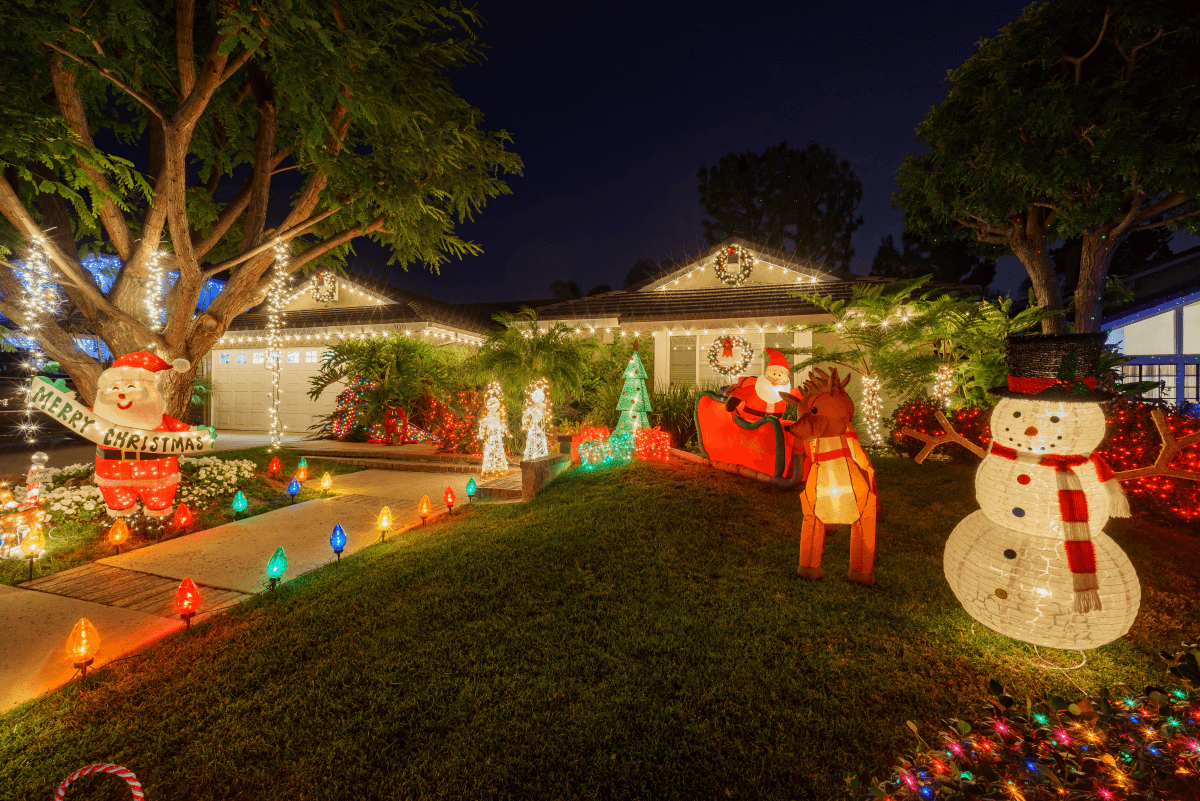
84, 641
119, 532
385, 518
302, 473
424, 508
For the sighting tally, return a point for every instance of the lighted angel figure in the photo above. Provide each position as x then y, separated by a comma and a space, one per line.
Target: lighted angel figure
493, 427
535, 418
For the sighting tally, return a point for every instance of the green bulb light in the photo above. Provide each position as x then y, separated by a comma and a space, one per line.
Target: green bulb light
471, 487
303, 462
239, 502
278, 564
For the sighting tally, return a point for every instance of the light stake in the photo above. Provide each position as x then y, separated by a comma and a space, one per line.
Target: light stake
277, 566
449, 499
32, 546
187, 600
82, 646
293, 489
337, 541
183, 517
302, 473
385, 521
424, 508
118, 533
471, 488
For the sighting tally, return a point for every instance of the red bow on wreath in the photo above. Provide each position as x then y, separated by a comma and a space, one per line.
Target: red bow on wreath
727, 345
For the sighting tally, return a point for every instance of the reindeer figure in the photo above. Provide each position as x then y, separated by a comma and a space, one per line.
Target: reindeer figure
839, 480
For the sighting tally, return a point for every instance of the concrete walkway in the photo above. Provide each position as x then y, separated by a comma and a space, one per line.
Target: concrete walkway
225, 561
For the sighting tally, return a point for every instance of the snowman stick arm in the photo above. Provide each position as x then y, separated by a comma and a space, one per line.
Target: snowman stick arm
1171, 446
950, 436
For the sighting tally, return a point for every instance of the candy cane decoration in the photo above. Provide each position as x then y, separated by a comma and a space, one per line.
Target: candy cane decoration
135, 786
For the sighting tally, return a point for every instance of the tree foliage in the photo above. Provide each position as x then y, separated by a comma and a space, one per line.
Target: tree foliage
520, 351
1077, 119
212, 100
802, 201
947, 259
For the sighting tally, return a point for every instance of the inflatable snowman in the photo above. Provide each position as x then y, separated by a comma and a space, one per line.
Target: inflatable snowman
1034, 563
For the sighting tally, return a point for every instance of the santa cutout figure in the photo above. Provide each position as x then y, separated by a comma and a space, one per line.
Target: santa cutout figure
755, 398
127, 394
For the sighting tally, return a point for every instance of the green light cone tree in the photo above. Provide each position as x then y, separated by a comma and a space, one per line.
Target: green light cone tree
634, 404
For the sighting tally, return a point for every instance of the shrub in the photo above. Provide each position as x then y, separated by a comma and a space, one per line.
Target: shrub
1133, 441
969, 421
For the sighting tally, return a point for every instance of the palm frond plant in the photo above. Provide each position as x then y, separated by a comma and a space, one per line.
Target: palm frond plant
520, 352
395, 370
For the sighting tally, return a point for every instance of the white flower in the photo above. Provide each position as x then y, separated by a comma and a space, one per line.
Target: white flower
89, 506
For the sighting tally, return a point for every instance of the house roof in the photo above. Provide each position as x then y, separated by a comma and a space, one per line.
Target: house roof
764, 302
770, 255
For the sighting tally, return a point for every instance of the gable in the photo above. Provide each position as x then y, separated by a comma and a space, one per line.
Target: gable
770, 267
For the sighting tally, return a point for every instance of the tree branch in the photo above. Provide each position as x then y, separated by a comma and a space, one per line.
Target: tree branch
233, 210
1078, 62
287, 235
1175, 219
264, 147
236, 63
335, 241
70, 105
148, 102
185, 11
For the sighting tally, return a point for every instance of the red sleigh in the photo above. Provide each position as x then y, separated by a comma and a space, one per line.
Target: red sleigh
763, 447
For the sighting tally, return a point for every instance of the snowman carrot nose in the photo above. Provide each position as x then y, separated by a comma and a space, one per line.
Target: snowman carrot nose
1031, 432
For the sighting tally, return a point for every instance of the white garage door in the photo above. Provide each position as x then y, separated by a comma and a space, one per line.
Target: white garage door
242, 390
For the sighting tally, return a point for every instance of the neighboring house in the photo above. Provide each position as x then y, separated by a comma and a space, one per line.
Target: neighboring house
324, 310
1160, 328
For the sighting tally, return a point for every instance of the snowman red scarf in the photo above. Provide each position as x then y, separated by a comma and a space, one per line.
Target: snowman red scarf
1073, 510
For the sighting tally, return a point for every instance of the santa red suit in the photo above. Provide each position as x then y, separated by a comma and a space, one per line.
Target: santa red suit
127, 394
754, 398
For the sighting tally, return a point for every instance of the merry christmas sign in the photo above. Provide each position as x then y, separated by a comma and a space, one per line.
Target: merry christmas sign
53, 398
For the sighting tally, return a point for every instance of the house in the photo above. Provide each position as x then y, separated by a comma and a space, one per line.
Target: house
326, 309
1160, 328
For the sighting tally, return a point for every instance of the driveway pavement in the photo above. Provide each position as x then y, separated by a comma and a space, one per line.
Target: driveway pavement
17, 459
34, 624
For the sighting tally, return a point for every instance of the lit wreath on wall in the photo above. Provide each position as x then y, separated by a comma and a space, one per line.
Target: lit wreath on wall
722, 347
745, 265
323, 287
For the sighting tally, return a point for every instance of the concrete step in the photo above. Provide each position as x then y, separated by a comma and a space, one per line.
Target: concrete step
501, 488
409, 465
390, 455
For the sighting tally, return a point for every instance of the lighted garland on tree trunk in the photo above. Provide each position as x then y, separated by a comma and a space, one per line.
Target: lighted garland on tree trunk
722, 348
745, 265
38, 305
943, 384
277, 300
873, 409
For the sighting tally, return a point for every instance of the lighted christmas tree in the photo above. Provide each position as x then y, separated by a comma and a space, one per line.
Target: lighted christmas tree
634, 404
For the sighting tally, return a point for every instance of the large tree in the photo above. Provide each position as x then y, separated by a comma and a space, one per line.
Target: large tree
948, 259
135, 127
1076, 120
802, 201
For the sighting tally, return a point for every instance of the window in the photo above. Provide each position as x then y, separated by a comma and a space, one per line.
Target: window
1191, 328
1152, 336
1164, 374
241, 358
259, 357
293, 357
683, 360
1191, 391
224, 358
312, 356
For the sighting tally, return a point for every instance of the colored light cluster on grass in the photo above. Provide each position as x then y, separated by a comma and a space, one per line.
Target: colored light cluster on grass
1099, 749
652, 445
274, 466
617, 449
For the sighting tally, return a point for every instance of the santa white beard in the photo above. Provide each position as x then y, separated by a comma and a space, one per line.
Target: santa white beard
145, 405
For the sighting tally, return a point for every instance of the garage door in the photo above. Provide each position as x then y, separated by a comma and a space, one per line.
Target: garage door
242, 390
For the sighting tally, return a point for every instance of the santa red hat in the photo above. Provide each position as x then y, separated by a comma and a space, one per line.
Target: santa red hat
150, 362
777, 359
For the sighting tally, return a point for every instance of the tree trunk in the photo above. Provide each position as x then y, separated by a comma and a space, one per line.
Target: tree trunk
176, 389
1027, 238
1096, 255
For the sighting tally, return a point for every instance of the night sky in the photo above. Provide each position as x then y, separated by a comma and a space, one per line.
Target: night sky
615, 110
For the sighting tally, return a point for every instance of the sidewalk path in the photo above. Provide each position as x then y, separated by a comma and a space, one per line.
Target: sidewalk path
129, 597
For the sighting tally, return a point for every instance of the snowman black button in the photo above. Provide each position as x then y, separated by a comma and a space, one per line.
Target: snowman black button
1018, 511
1009, 553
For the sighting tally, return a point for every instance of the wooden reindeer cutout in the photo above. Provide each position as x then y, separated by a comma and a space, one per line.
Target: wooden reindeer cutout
839, 480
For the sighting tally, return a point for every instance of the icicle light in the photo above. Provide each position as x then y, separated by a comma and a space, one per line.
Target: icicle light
155, 289
38, 306
277, 300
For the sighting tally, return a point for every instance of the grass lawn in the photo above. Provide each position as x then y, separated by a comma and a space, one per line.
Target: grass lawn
637, 633
71, 543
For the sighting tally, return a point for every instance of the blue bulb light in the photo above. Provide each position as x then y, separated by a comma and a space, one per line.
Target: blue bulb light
337, 540
294, 487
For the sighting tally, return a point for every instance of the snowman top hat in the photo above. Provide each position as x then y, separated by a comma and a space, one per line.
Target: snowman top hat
1054, 367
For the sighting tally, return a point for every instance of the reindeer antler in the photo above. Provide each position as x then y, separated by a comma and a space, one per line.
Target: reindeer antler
1171, 446
950, 436
817, 382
